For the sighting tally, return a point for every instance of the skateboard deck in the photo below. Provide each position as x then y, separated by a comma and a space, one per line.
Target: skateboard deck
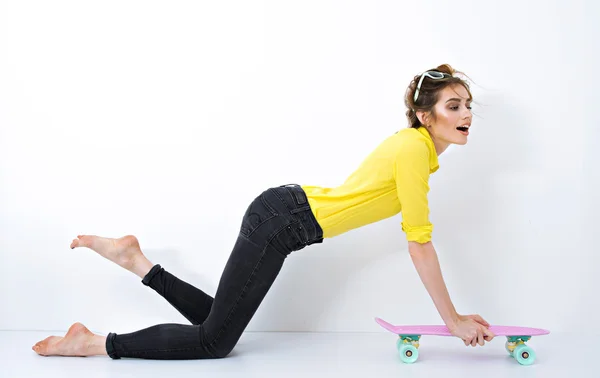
516, 338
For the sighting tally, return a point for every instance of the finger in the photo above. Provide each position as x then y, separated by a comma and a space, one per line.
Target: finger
489, 335
480, 320
474, 339
477, 335
468, 340
480, 338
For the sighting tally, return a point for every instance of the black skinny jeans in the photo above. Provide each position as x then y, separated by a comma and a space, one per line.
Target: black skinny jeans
278, 222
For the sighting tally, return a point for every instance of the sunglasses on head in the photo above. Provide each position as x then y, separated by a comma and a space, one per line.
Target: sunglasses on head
431, 74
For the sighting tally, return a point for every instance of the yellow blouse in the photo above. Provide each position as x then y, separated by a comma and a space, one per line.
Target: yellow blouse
394, 178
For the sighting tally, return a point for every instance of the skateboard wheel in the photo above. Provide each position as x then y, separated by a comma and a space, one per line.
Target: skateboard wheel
524, 354
408, 353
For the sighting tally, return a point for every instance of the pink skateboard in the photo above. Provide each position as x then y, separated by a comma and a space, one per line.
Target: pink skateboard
516, 337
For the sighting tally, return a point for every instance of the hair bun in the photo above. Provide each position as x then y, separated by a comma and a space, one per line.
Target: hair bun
446, 68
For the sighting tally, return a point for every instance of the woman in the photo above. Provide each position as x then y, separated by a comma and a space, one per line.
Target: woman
393, 178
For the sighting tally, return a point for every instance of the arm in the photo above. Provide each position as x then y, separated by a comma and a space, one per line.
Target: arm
411, 172
426, 262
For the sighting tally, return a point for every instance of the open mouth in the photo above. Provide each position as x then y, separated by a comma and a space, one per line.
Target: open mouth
463, 130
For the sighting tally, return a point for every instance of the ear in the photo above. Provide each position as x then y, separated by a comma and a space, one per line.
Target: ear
423, 117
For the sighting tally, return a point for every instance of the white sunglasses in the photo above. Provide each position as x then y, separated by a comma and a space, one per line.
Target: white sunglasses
431, 74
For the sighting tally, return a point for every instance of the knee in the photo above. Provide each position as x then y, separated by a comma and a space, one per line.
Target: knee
222, 348
222, 351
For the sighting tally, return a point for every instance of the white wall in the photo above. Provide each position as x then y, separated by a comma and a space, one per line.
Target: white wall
164, 119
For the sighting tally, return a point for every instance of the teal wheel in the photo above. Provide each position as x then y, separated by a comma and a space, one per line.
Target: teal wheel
524, 354
408, 353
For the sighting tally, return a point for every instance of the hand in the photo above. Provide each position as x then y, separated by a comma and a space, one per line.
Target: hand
472, 329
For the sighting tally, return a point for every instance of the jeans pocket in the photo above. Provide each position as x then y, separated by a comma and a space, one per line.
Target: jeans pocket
296, 237
258, 212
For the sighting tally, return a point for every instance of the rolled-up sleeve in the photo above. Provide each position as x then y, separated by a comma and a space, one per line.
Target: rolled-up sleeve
411, 170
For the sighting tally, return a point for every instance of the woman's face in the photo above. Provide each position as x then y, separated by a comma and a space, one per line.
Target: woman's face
453, 118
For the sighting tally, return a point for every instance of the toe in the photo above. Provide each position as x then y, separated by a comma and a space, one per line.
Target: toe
44, 341
75, 243
44, 347
40, 347
81, 241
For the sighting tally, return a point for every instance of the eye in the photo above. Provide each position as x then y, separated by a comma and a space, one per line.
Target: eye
456, 107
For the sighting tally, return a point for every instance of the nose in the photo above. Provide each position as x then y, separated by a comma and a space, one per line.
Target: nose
467, 114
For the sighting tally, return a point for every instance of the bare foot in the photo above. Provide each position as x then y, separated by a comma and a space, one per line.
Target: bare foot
79, 341
124, 251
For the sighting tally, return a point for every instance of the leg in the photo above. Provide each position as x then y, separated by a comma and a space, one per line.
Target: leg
247, 277
266, 238
191, 302
271, 229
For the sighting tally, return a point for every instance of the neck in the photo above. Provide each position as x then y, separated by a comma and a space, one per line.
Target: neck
440, 147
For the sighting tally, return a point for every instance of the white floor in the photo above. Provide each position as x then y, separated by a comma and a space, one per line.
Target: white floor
317, 355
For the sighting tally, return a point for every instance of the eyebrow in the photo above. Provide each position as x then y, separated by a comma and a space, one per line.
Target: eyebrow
457, 99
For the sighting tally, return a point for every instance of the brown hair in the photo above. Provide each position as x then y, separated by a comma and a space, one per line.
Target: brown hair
429, 93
